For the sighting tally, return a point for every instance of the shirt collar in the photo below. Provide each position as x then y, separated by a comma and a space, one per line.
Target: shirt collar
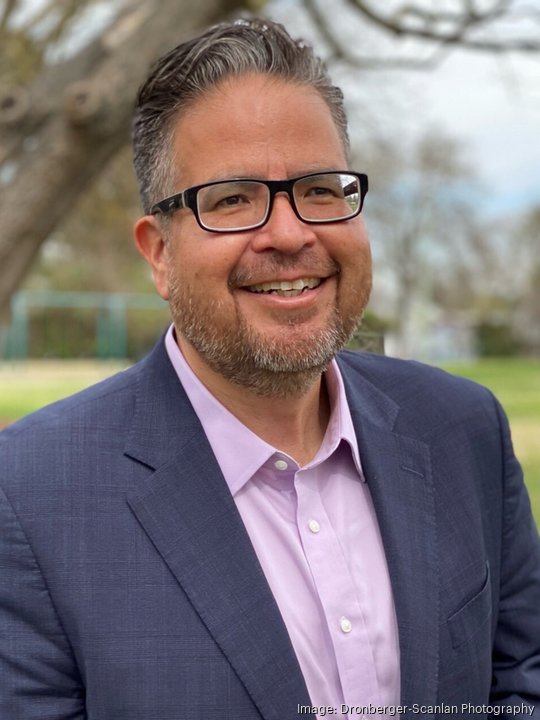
238, 450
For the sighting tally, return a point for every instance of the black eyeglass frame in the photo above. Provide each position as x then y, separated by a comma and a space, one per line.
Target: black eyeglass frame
188, 199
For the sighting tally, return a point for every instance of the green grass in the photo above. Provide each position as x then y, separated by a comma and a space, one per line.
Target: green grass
24, 387
516, 382
27, 386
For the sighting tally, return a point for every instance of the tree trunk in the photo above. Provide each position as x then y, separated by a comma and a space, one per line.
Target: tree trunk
62, 132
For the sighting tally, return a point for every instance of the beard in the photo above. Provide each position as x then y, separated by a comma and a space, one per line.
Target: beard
279, 366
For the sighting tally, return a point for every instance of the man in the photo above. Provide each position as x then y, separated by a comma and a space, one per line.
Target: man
247, 524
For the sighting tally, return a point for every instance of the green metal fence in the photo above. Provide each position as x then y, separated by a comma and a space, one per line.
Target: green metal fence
91, 324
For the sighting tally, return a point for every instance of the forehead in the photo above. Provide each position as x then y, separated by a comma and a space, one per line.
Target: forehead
255, 126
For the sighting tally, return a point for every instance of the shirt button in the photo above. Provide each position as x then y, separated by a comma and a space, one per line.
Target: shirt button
281, 465
314, 526
345, 625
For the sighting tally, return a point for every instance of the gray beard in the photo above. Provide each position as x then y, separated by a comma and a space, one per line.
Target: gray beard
267, 369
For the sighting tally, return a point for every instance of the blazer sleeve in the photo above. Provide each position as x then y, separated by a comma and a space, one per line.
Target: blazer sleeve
38, 673
516, 650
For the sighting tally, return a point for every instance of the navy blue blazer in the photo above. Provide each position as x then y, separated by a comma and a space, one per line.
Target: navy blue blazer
129, 589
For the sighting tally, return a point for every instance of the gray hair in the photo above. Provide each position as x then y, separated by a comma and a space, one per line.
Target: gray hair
184, 74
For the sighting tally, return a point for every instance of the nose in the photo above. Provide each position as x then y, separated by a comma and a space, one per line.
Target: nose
283, 231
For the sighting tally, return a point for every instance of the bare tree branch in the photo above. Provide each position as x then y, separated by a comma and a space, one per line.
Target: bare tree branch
70, 10
429, 30
467, 16
340, 52
39, 16
64, 10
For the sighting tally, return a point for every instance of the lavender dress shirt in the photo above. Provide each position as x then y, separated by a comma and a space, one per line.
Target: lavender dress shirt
316, 536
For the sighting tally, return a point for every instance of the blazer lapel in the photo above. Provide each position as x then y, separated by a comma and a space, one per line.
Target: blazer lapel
397, 470
190, 516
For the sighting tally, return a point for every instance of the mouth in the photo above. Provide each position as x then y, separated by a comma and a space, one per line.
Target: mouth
285, 288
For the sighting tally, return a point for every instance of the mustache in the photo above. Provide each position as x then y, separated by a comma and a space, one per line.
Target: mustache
306, 264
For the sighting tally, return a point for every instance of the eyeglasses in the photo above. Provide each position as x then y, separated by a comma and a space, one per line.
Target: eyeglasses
244, 204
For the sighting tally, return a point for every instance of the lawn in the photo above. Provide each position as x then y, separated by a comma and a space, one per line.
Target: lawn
27, 386
516, 383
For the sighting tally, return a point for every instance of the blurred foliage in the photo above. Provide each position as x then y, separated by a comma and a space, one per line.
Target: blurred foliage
372, 322
60, 333
497, 340
144, 327
418, 214
20, 59
94, 250
63, 333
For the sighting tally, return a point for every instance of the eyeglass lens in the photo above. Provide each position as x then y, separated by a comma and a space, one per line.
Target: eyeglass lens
243, 203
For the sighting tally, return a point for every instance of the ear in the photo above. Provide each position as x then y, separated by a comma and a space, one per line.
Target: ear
150, 242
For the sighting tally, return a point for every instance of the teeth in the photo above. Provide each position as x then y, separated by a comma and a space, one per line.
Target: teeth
291, 288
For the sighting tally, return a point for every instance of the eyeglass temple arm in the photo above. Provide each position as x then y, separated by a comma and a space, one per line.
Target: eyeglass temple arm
170, 204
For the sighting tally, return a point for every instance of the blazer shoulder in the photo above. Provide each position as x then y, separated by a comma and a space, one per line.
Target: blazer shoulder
382, 369
418, 387
140, 407
107, 397
110, 399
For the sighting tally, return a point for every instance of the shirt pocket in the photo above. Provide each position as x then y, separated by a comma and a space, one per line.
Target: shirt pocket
471, 617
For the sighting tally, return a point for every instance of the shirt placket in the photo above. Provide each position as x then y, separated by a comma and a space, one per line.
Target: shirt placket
336, 591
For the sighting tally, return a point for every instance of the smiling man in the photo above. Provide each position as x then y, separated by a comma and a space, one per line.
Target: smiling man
268, 281
251, 523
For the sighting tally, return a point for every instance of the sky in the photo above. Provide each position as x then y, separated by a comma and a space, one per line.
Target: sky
489, 103
493, 106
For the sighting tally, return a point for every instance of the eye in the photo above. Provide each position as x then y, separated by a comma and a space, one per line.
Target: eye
231, 201
228, 197
319, 188
320, 191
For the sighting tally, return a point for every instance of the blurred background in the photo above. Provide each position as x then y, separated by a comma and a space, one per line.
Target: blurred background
443, 98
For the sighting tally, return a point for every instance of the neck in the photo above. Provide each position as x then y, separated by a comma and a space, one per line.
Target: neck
295, 424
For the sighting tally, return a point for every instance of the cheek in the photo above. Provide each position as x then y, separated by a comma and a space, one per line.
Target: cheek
356, 267
365, 255
363, 246
354, 252
211, 263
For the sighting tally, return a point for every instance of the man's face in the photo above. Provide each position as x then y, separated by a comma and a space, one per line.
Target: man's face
273, 342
